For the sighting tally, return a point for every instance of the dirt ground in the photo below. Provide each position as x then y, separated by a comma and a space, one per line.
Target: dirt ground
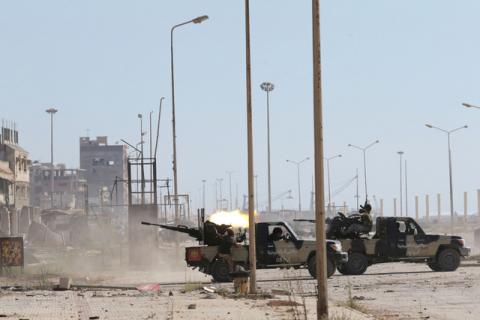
388, 291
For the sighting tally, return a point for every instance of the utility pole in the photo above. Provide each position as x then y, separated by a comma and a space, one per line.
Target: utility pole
251, 199
321, 257
51, 111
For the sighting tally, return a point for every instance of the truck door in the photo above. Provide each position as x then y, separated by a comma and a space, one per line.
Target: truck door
416, 246
285, 249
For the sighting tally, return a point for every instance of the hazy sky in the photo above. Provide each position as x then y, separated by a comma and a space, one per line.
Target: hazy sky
389, 67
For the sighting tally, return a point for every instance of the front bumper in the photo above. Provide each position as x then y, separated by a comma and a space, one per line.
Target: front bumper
465, 251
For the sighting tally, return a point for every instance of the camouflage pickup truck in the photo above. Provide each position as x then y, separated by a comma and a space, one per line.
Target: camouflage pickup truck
288, 252
402, 239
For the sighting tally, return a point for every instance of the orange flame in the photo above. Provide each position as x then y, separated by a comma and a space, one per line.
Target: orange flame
235, 218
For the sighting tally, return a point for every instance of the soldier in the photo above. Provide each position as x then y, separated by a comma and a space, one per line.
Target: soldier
276, 235
225, 247
365, 223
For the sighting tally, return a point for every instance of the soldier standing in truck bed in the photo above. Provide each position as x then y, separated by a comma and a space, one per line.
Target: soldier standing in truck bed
365, 225
225, 247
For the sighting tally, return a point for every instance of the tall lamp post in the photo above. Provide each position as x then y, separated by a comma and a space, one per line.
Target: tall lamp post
328, 178
267, 87
449, 166
51, 111
364, 150
174, 136
298, 163
400, 153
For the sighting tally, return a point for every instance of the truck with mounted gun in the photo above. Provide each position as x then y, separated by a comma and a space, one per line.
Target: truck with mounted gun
399, 239
289, 251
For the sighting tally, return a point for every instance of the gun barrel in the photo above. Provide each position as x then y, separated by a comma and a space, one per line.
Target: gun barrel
304, 220
192, 232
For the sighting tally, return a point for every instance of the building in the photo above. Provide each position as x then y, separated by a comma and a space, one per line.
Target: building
69, 186
105, 169
6, 184
14, 169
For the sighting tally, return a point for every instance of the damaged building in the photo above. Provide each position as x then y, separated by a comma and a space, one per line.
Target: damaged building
105, 168
69, 186
15, 215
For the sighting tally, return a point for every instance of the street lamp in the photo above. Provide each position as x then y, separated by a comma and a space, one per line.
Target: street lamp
51, 111
230, 201
400, 153
267, 87
328, 178
470, 105
174, 136
203, 193
364, 150
256, 193
449, 166
298, 163
220, 182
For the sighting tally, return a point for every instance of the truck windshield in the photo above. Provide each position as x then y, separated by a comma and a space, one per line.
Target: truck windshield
303, 230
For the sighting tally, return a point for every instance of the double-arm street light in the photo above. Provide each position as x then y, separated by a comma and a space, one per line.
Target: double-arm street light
449, 166
364, 150
328, 178
298, 163
267, 87
174, 136
51, 111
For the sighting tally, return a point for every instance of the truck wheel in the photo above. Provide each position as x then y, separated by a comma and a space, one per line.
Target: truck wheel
433, 265
357, 263
312, 267
342, 268
448, 260
220, 271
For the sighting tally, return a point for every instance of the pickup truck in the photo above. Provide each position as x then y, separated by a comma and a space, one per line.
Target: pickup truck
288, 252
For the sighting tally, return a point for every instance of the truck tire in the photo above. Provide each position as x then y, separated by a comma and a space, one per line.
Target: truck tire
342, 268
448, 259
220, 271
433, 265
357, 263
312, 267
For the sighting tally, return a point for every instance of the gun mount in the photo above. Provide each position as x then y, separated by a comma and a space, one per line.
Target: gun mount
210, 234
